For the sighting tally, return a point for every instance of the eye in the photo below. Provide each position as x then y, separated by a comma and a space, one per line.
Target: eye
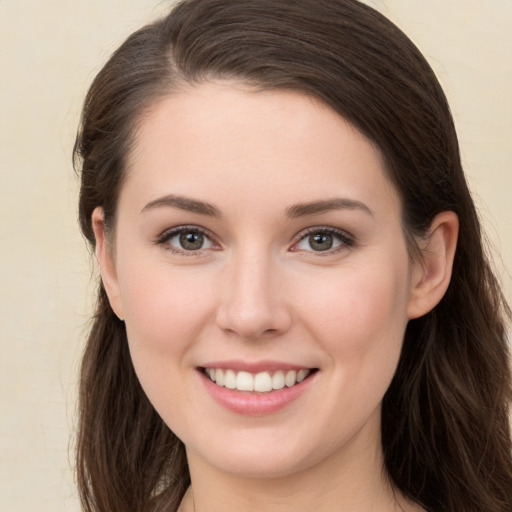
186, 239
323, 240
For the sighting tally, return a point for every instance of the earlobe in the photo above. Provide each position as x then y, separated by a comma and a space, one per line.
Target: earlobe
106, 262
431, 275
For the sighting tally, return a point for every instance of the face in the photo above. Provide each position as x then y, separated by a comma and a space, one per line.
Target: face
259, 244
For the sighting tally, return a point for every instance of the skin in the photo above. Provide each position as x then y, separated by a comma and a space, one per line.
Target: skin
257, 290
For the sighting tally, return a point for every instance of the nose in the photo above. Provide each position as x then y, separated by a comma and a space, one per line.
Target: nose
253, 302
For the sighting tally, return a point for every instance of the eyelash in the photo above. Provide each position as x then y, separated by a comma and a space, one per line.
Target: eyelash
164, 238
346, 240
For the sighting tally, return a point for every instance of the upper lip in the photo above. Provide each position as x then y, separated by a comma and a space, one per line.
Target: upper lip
254, 366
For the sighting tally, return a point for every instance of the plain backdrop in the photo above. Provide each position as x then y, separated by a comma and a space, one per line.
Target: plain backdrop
49, 52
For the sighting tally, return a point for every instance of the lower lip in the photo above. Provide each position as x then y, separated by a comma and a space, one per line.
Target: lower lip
255, 404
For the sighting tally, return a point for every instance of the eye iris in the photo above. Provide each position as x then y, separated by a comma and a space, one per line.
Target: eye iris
321, 241
191, 240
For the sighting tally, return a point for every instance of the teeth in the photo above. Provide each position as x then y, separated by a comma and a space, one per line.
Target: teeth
301, 375
230, 379
290, 378
244, 381
262, 382
278, 380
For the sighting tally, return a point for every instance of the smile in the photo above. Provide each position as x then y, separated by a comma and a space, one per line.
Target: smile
262, 382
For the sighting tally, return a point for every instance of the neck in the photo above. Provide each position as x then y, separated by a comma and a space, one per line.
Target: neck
343, 482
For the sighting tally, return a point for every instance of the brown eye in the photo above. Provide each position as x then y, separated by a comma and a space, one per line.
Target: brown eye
186, 240
321, 241
191, 240
326, 239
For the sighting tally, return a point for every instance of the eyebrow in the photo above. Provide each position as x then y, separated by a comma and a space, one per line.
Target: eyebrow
183, 203
316, 207
298, 210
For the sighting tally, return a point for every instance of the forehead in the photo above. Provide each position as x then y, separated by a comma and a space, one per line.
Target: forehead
218, 137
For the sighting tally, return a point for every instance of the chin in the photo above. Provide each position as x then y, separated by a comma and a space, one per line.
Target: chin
263, 466
269, 455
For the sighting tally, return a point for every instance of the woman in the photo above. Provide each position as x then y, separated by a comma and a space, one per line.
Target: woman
296, 311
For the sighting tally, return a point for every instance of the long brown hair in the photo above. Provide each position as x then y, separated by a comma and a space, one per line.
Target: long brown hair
445, 421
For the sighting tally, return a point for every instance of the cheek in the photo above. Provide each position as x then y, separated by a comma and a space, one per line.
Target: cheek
361, 312
163, 306
165, 310
361, 327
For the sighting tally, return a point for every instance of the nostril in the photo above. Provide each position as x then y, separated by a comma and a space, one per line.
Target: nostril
253, 323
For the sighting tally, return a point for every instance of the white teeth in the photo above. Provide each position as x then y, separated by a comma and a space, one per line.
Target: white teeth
278, 380
219, 377
244, 381
230, 379
291, 378
262, 382
301, 375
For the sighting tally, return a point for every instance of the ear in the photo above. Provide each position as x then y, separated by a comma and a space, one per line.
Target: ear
432, 272
106, 262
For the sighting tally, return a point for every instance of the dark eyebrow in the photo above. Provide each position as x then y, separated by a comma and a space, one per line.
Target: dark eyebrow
183, 203
316, 207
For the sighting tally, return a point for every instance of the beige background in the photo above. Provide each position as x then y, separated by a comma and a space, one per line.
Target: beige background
49, 52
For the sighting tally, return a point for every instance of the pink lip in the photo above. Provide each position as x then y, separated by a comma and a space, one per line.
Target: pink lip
253, 367
255, 404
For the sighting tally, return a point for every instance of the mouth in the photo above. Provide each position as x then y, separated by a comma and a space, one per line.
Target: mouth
261, 382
